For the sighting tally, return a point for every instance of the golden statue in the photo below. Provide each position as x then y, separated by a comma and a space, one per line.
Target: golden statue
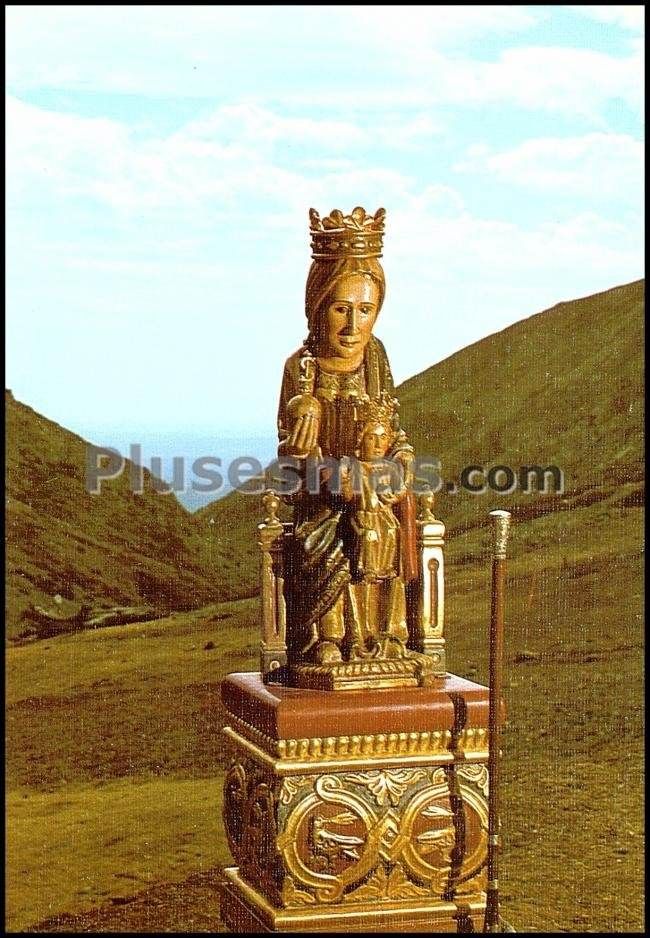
346, 808
352, 554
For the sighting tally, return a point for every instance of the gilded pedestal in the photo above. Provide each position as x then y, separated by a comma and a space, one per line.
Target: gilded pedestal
352, 810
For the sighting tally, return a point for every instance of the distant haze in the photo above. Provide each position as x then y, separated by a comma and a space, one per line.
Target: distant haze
168, 445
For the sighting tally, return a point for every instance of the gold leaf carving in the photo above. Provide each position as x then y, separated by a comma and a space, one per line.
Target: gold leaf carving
439, 777
478, 774
329, 844
383, 885
387, 785
290, 785
292, 896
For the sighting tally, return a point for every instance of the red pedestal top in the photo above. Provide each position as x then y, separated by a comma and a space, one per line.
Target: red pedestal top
291, 713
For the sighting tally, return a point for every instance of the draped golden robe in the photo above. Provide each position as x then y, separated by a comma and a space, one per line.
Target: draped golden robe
325, 601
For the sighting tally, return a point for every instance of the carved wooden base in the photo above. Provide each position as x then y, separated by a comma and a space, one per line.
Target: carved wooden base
368, 810
245, 911
360, 675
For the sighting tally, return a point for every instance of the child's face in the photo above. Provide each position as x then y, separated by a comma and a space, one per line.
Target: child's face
374, 442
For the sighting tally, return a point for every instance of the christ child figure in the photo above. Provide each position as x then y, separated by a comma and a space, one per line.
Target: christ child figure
375, 484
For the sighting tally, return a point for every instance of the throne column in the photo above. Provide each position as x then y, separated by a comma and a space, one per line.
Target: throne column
428, 596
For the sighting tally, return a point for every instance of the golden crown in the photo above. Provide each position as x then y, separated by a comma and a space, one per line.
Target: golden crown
382, 411
355, 235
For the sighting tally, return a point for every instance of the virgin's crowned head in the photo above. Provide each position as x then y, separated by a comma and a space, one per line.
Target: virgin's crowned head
345, 285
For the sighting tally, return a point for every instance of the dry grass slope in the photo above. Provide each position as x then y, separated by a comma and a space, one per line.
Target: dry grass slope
109, 549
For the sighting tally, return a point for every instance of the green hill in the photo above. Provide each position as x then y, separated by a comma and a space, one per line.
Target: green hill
563, 387
108, 549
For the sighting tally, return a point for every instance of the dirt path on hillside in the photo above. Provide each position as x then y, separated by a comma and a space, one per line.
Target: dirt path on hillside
189, 906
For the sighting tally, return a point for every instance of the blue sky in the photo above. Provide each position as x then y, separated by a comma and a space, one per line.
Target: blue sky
161, 162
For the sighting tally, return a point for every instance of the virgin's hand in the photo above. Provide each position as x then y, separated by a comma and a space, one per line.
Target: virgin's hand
304, 435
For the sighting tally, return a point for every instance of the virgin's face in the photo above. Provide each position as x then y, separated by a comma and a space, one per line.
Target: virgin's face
350, 316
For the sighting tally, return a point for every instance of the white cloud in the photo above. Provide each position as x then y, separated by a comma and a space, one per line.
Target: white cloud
239, 153
246, 155
264, 128
407, 30
227, 165
338, 57
494, 249
100, 158
403, 134
596, 165
578, 81
628, 16
197, 50
52, 148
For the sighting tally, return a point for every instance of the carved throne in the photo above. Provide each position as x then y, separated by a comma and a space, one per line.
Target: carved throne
425, 598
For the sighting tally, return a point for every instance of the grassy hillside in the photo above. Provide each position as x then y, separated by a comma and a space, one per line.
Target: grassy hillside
107, 549
115, 764
563, 387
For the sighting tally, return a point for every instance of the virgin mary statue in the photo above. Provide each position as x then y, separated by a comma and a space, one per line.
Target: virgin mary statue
338, 609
